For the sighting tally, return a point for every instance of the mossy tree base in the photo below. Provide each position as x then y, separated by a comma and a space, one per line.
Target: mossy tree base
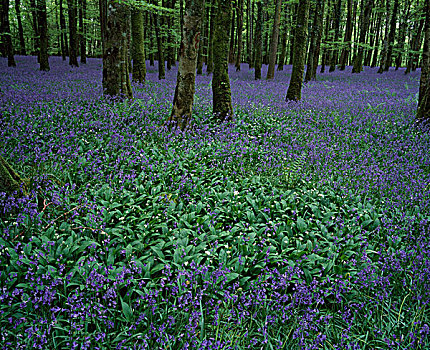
10, 181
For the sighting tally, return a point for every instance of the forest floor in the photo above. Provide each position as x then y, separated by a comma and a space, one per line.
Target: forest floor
297, 226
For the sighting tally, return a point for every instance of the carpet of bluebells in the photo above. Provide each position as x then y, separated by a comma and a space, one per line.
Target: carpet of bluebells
296, 226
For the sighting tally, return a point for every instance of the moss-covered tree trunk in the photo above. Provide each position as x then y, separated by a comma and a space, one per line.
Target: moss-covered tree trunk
138, 49
294, 92
43, 31
274, 42
258, 42
115, 61
73, 35
423, 113
365, 20
10, 181
185, 81
222, 106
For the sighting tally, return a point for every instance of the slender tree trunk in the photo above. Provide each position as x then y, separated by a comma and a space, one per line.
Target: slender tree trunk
386, 39
36, 46
292, 32
210, 65
315, 42
239, 34
423, 113
391, 36
374, 42
294, 92
222, 106
20, 29
374, 61
6, 38
402, 37
64, 45
281, 60
358, 63
73, 47
200, 52
161, 60
326, 38
185, 81
248, 33
258, 40
43, 30
347, 38
138, 42
251, 36
82, 29
337, 16
274, 41
151, 39
232, 37
115, 60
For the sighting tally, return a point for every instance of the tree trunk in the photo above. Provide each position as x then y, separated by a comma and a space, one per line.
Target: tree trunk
391, 36
115, 61
358, 62
232, 37
292, 32
43, 40
249, 33
161, 61
210, 64
337, 15
315, 42
294, 92
222, 106
274, 42
386, 39
239, 34
200, 52
34, 18
138, 49
423, 113
374, 41
63, 30
185, 81
402, 37
20, 29
10, 181
6, 38
82, 30
326, 38
347, 38
258, 40
374, 61
73, 47
281, 60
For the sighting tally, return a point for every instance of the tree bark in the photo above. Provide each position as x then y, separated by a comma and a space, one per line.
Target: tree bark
294, 92
210, 64
6, 38
386, 39
239, 34
73, 47
358, 62
337, 15
185, 81
82, 30
63, 35
115, 61
200, 52
391, 36
315, 42
20, 29
347, 38
274, 42
43, 40
258, 41
138, 49
423, 112
222, 106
